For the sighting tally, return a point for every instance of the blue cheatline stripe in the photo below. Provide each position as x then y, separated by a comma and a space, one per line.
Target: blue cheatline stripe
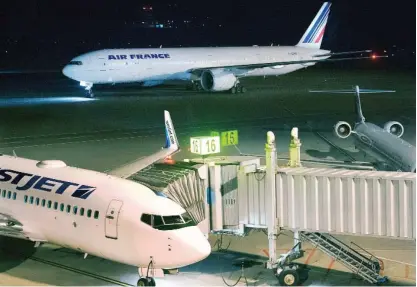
323, 13
320, 27
318, 23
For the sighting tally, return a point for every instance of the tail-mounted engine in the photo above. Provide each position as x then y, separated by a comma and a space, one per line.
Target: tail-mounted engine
394, 128
342, 129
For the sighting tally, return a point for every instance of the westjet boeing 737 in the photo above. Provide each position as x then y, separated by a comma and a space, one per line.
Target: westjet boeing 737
104, 214
210, 69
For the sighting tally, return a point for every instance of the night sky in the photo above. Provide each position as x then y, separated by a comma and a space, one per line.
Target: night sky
48, 33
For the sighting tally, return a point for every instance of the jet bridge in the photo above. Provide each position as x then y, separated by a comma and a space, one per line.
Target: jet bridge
232, 194
312, 202
184, 183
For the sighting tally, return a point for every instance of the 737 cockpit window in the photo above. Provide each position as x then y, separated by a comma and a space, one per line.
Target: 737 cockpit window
77, 63
173, 219
169, 222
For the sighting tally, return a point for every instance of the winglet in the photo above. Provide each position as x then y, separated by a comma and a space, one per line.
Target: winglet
171, 147
171, 141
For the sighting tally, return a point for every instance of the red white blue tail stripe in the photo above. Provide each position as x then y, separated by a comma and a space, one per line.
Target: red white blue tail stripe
313, 36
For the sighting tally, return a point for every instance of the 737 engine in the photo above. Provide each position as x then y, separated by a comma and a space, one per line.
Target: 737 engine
394, 128
217, 80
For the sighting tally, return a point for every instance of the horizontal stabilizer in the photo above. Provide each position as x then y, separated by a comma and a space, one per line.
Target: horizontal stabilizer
341, 53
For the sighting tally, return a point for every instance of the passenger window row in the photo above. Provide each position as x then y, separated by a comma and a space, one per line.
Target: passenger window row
8, 194
62, 207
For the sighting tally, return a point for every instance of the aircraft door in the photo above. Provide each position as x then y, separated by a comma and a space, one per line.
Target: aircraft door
112, 217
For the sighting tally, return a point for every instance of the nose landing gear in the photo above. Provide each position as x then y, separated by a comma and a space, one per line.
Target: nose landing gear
88, 88
147, 281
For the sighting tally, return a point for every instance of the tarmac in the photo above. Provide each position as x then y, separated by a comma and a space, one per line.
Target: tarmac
48, 117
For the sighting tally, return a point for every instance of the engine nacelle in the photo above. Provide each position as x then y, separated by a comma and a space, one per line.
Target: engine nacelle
342, 129
394, 128
217, 80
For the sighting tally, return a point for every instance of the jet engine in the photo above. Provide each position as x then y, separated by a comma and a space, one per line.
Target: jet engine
217, 80
342, 129
394, 128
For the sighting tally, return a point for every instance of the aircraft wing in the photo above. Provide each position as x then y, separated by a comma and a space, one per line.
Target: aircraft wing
171, 147
11, 227
281, 63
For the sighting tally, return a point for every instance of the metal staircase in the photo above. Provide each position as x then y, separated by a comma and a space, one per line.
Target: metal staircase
366, 268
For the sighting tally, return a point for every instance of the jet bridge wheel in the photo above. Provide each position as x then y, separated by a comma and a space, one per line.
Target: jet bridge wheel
146, 281
289, 277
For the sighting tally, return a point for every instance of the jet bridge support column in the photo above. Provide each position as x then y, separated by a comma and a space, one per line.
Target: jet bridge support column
271, 221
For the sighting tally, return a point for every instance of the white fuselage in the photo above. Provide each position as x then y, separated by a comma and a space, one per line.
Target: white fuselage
118, 233
141, 65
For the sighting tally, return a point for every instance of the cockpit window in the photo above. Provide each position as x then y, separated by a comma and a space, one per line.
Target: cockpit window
78, 63
169, 222
146, 218
173, 219
187, 218
157, 221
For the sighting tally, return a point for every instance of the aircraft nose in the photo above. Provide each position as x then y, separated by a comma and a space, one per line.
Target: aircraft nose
201, 248
67, 71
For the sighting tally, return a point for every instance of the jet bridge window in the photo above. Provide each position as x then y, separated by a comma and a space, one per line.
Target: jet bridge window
9, 194
75, 209
68, 208
31, 200
43, 202
96, 214
62, 206
25, 198
14, 195
55, 205
4, 193
49, 203
89, 213
77, 63
82, 211
37, 201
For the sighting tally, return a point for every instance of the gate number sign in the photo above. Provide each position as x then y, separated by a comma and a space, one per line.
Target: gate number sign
229, 138
205, 145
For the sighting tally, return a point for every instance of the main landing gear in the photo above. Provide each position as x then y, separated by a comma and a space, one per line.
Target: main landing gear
194, 86
238, 88
147, 281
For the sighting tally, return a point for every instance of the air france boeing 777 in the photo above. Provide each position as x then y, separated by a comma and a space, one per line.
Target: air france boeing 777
211, 69
104, 214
